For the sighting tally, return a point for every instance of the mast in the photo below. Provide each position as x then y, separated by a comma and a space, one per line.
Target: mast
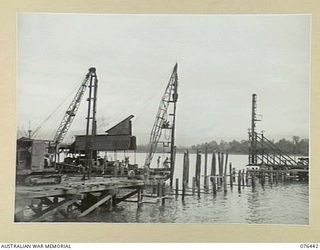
253, 133
71, 112
29, 131
91, 116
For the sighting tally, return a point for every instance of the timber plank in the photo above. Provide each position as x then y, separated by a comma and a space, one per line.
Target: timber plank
94, 206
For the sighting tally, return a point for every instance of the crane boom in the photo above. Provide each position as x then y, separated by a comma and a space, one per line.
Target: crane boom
170, 96
72, 109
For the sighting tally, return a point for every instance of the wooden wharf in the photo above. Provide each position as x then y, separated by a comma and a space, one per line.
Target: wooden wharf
74, 197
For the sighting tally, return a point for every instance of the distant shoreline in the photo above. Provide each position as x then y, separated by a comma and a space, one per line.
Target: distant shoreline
191, 151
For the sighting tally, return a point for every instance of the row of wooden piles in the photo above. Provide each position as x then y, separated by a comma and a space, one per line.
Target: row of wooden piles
221, 177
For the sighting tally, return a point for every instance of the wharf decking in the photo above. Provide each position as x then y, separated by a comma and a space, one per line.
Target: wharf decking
76, 186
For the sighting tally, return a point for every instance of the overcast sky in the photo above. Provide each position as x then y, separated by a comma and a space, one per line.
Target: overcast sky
222, 61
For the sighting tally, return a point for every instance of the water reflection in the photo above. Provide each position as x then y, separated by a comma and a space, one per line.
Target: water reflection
279, 204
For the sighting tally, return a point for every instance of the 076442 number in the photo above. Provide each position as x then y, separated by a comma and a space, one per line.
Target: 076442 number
304, 245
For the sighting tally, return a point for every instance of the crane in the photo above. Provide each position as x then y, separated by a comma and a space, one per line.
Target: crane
162, 122
73, 108
38, 170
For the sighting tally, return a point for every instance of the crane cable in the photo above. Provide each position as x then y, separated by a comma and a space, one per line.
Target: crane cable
36, 131
149, 101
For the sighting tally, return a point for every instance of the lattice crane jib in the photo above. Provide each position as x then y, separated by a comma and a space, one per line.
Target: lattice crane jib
72, 109
161, 121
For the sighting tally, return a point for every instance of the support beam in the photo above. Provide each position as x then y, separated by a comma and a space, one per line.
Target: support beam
118, 200
63, 213
94, 206
46, 201
53, 209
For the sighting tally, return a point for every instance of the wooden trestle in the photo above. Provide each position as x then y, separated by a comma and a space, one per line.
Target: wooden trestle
73, 197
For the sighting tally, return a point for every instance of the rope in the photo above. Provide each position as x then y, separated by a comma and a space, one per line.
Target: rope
149, 101
20, 132
36, 131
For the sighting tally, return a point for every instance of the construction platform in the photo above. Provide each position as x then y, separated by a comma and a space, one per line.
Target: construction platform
73, 197
284, 174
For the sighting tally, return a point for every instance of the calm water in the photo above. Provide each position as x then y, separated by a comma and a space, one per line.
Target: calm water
284, 203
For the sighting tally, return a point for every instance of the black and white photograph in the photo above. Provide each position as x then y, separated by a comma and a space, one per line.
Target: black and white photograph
162, 118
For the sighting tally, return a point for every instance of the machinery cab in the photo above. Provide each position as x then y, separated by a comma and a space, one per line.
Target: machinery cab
33, 159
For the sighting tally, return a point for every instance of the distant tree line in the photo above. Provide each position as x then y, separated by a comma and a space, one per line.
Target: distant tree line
234, 147
295, 146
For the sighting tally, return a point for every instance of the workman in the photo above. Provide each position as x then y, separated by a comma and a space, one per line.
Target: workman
116, 167
166, 163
